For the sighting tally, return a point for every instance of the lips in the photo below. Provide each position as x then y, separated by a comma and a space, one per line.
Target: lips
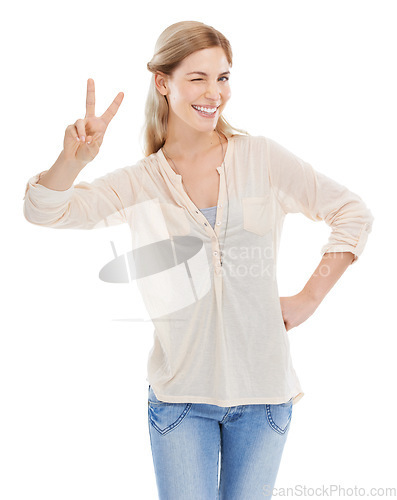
205, 106
204, 113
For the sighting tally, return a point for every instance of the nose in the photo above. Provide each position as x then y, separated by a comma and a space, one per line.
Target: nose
212, 91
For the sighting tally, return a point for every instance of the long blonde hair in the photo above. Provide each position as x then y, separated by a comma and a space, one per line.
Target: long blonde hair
174, 44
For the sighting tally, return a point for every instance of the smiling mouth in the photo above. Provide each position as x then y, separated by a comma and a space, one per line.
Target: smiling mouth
205, 111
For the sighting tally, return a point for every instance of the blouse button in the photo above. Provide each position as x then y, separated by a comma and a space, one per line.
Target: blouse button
218, 223
220, 205
215, 253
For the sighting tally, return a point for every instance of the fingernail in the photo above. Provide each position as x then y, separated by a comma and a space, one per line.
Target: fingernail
83, 138
88, 142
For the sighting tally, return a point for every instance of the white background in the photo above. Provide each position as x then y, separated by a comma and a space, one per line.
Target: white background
319, 77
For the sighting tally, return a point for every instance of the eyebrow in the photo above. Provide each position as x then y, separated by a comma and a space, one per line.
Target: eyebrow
205, 74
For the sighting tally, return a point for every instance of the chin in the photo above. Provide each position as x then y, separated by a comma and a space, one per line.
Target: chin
205, 127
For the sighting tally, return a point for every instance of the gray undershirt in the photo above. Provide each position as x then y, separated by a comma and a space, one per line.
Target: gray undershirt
210, 214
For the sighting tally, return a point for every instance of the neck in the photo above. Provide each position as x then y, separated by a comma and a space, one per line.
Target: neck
191, 144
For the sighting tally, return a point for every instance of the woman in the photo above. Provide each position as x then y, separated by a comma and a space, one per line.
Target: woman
206, 206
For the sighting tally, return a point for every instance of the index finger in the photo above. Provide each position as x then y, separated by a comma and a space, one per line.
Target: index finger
90, 99
113, 108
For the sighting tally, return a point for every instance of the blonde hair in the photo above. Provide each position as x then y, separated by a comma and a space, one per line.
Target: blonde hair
174, 44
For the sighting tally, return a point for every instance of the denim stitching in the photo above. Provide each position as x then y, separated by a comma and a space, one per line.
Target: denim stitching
273, 424
175, 424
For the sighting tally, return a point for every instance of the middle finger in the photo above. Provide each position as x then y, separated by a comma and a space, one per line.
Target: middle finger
112, 109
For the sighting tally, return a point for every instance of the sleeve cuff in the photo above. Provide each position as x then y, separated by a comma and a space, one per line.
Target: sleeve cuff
38, 192
357, 250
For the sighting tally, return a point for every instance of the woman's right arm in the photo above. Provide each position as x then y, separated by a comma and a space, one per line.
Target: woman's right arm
62, 174
86, 205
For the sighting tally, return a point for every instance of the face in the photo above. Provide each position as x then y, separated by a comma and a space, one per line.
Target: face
201, 80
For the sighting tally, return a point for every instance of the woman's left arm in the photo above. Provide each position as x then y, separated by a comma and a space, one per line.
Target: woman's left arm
298, 187
298, 308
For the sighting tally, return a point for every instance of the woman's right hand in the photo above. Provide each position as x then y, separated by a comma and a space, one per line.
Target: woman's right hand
84, 138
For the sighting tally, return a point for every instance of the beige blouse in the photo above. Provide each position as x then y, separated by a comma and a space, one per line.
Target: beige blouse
212, 293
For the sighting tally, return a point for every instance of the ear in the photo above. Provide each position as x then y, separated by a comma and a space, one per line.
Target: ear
161, 80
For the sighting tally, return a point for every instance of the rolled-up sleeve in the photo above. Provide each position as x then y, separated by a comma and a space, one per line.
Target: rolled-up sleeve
300, 188
86, 205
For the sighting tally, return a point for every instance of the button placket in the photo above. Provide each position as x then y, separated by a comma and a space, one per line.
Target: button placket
188, 204
218, 222
202, 220
213, 232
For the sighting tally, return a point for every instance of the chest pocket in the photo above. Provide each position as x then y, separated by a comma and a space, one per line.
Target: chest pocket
175, 219
257, 214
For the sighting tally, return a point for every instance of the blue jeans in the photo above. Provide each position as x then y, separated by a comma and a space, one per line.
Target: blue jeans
187, 439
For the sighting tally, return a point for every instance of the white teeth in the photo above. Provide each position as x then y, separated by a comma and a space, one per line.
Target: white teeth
206, 110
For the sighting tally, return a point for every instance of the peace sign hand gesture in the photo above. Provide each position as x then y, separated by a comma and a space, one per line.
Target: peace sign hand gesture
84, 138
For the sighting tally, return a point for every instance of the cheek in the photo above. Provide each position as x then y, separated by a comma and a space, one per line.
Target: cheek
191, 95
185, 97
227, 93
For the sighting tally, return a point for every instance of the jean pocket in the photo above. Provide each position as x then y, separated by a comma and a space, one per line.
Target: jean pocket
279, 416
257, 214
165, 416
